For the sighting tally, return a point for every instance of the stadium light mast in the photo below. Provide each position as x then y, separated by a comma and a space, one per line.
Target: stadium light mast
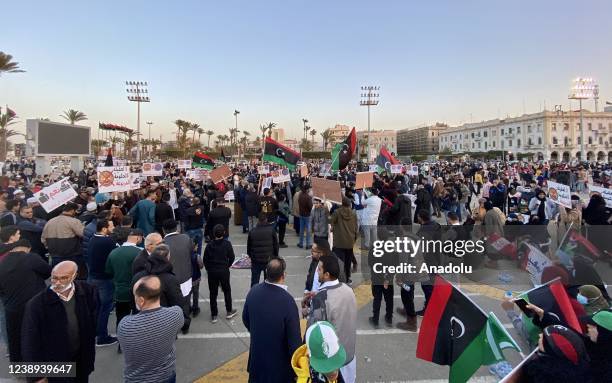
137, 92
583, 88
369, 98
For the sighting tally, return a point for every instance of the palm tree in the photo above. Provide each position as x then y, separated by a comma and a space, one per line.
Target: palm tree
128, 143
200, 131
244, 141
7, 65
194, 128
313, 133
97, 146
326, 135
114, 141
305, 145
209, 133
271, 126
73, 116
257, 142
7, 119
263, 128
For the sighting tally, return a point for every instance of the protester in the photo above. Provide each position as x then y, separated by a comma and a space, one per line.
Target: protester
305, 208
144, 213
62, 237
148, 338
262, 245
271, 317
319, 360
163, 212
150, 243
218, 257
181, 248
31, 229
344, 227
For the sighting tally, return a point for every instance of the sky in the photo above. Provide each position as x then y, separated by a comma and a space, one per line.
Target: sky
285, 60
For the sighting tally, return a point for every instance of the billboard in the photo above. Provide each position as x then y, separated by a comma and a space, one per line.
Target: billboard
45, 138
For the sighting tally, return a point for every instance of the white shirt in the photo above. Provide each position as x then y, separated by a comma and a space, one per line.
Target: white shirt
371, 211
284, 287
173, 201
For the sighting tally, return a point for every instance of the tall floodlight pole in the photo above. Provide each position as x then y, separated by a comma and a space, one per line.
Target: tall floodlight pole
236, 113
305, 121
149, 123
138, 92
369, 98
582, 89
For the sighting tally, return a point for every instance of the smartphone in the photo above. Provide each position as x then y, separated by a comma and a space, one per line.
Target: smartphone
522, 304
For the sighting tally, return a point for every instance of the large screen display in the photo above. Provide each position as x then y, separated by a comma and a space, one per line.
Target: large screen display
62, 139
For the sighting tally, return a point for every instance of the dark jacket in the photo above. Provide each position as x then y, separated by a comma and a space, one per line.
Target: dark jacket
218, 256
22, 275
262, 243
32, 231
310, 275
140, 261
88, 232
219, 216
194, 218
271, 317
305, 204
251, 203
402, 208
181, 248
344, 224
269, 206
163, 212
44, 329
171, 294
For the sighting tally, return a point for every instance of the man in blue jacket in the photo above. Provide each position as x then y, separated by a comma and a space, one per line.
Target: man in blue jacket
144, 213
272, 318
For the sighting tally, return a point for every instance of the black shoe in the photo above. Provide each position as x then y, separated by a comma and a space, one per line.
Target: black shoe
373, 322
282, 245
300, 246
421, 312
231, 314
106, 342
119, 350
389, 321
308, 247
195, 311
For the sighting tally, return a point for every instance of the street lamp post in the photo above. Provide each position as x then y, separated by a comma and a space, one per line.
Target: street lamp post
236, 113
370, 98
138, 92
305, 121
583, 88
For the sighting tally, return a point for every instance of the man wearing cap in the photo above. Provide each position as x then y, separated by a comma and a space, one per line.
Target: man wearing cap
320, 359
31, 229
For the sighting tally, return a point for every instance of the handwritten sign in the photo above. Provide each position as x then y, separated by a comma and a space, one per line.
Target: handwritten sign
263, 169
281, 175
113, 179
55, 195
605, 193
184, 164
135, 180
560, 194
152, 169
303, 171
198, 174
364, 180
220, 173
397, 169
331, 189
412, 170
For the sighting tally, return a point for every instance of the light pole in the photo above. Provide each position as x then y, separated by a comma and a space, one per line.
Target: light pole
138, 92
583, 88
236, 113
370, 98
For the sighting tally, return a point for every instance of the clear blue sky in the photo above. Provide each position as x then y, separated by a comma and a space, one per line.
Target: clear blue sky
282, 61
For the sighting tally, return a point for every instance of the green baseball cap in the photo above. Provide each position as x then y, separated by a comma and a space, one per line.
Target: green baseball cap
603, 318
326, 352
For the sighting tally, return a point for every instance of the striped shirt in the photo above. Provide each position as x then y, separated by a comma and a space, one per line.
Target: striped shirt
147, 341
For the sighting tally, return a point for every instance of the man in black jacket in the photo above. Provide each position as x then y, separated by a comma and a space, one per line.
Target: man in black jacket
219, 215
163, 212
22, 275
59, 323
218, 257
261, 243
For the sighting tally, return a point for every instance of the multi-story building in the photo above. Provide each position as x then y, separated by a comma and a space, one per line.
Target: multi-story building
378, 139
338, 133
548, 135
292, 144
419, 140
278, 134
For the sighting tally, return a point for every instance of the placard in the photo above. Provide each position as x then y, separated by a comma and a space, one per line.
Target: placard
397, 169
55, 195
324, 169
229, 196
198, 174
605, 193
135, 180
331, 189
263, 169
373, 168
364, 180
184, 164
219, 174
560, 194
152, 169
113, 179
266, 183
304, 171
281, 175
412, 170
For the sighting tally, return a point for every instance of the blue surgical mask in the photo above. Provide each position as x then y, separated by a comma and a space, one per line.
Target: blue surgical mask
582, 299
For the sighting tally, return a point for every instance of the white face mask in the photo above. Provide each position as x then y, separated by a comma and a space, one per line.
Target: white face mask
62, 288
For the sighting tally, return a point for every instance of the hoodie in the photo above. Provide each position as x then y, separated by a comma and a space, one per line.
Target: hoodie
344, 224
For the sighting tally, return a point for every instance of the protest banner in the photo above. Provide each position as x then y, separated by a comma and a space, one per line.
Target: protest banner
281, 175
303, 171
152, 169
324, 170
265, 183
396, 169
328, 188
560, 194
412, 170
364, 180
184, 164
263, 169
229, 196
113, 179
219, 174
135, 180
605, 193
198, 174
373, 168
535, 263
55, 195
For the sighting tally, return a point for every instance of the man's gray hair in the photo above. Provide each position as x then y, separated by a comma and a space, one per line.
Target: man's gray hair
151, 238
161, 251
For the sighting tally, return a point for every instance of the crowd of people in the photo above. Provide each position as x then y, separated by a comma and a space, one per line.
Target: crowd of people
141, 254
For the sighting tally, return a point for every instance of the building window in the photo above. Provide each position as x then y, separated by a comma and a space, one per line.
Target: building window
554, 140
578, 140
600, 140
529, 141
590, 140
509, 130
590, 126
494, 133
566, 126
578, 125
484, 133
518, 129
472, 145
485, 145
539, 140
518, 142
493, 143
479, 145
472, 134
502, 131
565, 141
600, 126
554, 126
509, 143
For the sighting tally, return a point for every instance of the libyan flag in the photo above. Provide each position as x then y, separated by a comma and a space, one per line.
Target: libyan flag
109, 158
344, 151
457, 333
201, 160
553, 299
385, 160
280, 154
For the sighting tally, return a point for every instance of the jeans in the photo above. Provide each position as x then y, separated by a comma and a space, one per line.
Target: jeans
252, 222
216, 279
369, 233
105, 294
305, 231
282, 227
296, 224
256, 270
346, 256
408, 300
379, 292
122, 309
196, 236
